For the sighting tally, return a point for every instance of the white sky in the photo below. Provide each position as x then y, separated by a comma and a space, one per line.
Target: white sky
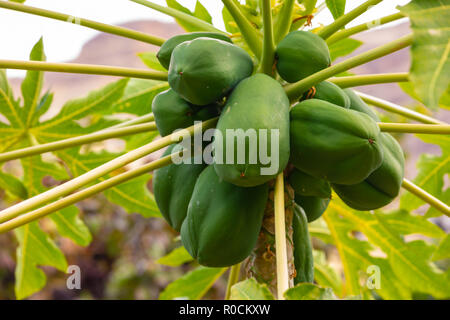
63, 41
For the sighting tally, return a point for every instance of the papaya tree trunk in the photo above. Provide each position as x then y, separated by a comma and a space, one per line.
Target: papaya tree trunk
261, 264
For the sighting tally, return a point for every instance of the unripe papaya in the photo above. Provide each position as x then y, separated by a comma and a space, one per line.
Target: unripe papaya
165, 51
204, 70
301, 54
333, 143
173, 186
383, 185
172, 112
357, 104
314, 207
223, 220
303, 255
330, 92
255, 120
309, 186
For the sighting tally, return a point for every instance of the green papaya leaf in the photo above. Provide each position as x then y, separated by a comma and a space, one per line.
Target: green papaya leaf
410, 262
336, 7
430, 69
199, 12
309, 291
193, 285
443, 250
250, 289
325, 275
13, 185
35, 249
343, 48
408, 88
176, 258
150, 60
431, 173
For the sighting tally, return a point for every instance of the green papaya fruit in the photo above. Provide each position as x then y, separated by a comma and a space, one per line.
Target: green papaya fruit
383, 185
223, 220
303, 255
173, 186
332, 143
357, 104
165, 51
314, 207
172, 112
257, 112
301, 54
309, 186
330, 92
204, 70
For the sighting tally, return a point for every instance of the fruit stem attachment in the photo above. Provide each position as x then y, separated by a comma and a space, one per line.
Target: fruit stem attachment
233, 278
394, 108
251, 36
425, 196
83, 194
280, 238
100, 171
119, 31
77, 141
295, 90
362, 80
268, 54
84, 69
343, 34
415, 128
342, 21
284, 20
181, 16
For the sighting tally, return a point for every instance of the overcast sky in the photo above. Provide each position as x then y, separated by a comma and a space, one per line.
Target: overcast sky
64, 41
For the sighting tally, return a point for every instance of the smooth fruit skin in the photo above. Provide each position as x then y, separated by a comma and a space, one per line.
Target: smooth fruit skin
314, 207
173, 186
330, 92
172, 112
258, 102
223, 221
333, 143
357, 104
303, 255
383, 185
301, 54
204, 70
165, 52
309, 186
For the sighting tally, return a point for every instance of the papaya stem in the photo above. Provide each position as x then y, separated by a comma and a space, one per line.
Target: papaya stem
362, 80
295, 90
179, 15
342, 21
415, 128
233, 278
142, 119
94, 174
425, 196
251, 36
83, 194
280, 238
119, 31
345, 33
84, 69
394, 108
284, 20
268, 54
77, 141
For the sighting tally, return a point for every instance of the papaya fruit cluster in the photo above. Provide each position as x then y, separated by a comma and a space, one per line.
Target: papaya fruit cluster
329, 140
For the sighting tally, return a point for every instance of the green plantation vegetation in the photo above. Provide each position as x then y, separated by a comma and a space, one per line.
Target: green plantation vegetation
300, 161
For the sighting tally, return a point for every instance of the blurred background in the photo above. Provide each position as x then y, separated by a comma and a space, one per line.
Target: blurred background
121, 261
